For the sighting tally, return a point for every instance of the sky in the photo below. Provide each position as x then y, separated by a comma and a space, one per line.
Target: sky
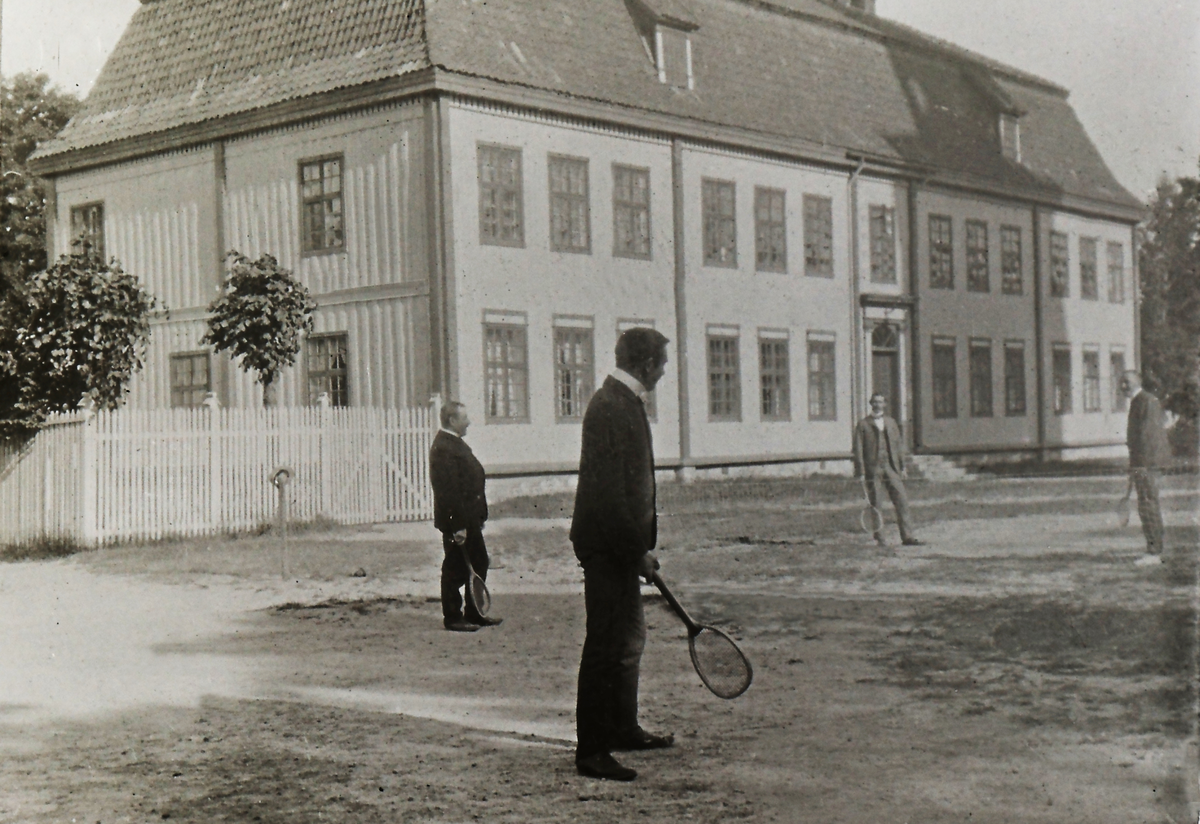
1133, 66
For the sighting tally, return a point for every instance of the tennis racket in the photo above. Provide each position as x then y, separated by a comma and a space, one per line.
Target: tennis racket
477, 590
722, 667
870, 519
1123, 505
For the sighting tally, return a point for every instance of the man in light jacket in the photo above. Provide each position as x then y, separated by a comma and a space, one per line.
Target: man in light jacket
879, 458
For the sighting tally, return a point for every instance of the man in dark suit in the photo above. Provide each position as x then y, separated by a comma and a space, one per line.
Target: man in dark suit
459, 510
613, 530
879, 458
1147, 441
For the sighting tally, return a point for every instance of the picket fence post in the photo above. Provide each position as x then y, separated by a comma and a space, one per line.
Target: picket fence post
214, 457
88, 468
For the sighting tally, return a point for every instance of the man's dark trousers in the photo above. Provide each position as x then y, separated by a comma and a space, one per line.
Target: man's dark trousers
886, 476
607, 702
455, 575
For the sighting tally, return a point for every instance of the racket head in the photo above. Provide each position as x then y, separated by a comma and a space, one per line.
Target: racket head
1123, 512
870, 519
480, 595
720, 663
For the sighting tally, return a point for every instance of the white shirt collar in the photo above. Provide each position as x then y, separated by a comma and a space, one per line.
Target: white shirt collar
1135, 394
449, 432
879, 422
635, 385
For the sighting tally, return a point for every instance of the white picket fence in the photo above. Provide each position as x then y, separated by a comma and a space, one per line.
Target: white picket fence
144, 474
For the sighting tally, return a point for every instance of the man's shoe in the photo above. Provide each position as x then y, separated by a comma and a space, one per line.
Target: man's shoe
881, 541
461, 626
913, 542
603, 765
642, 740
484, 621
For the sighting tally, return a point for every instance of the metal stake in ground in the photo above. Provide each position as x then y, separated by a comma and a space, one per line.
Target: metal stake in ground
280, 479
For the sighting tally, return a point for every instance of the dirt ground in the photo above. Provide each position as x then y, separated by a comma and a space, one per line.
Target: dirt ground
1019, 668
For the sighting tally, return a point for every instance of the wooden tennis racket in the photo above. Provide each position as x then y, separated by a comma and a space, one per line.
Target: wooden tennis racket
477, 590
721, 665
870, 519
1123, 505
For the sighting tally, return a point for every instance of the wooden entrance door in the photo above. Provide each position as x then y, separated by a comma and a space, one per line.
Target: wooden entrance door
885, 365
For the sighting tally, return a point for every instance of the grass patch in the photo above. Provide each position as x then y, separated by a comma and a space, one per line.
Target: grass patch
44, 548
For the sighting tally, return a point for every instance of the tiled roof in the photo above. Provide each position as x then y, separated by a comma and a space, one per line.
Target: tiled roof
796, 70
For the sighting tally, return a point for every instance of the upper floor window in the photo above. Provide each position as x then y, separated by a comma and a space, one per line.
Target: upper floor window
770, 230
631, 211
87, 229
1011, 276
322, 228
574, 367
501, 199
1116, 273
882, 221
977, 256
1010, 137
191, 378
328, 371
1060, 270
818, 236
720, 223
941, 252
570, 214
1089, 286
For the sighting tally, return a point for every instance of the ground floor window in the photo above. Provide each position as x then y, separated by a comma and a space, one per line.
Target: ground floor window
191, 378
328, 372
945, 378
822, 378
724, 379
574, 367
1091, 380
1060, 368
773, 376
981, 377
1014, 378
1116, 365
506, 359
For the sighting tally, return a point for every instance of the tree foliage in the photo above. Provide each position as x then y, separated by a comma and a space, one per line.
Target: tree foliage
1169, 264
259, 318
30, 114
73, 333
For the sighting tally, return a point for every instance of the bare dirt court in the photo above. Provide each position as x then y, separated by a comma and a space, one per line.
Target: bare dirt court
1018, 668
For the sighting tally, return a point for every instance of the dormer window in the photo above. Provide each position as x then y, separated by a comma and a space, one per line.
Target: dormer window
1010, 136
666, 28
673, 55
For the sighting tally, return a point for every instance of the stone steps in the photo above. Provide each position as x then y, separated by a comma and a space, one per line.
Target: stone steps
936, 468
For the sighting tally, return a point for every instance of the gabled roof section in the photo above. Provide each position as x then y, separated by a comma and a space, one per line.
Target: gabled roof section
186, 61
672, 13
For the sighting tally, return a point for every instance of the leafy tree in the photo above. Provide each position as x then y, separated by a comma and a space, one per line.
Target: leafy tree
75, 332
259, 317
1169, 263
30, 114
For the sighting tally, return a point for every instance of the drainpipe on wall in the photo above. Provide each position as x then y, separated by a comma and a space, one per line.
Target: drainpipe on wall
857, 356
1135, 276
1039, 343
686, 471
438, 378
914, 284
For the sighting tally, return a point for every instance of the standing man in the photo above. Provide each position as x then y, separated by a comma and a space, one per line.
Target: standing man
879, 458
1147, 443
613, 530
459, 510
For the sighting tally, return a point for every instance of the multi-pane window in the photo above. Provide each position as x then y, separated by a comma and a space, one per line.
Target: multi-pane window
87, 229
977, 257
328, 372
506, 363
1060, 368
818, 236
773, 377
882, 220
724, 387
1060, 273
1116, 273
574, 368
1089, 286
191, 378
720, 223
501, 198
1116, 369
631, 211
1014, 378
979, 360
941, 252
945, 378
321, 191
1011, 276
770, 230
1091, 380
570, 215
822, 378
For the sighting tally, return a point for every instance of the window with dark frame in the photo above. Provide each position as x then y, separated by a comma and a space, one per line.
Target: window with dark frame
979, 362
724, 378
191, 379
1014, 378
1060, 369
631, 211
1089, 285
822, 379
1060, 270
818, 236
882, 227
1116, 371
977, 257
1116, 273
1011, 275
506, 380
945, 378
774, 378
327, 368
574, 371
941, 252
501, 197
570, 213
87, 230
718, 204
770, 230
322, 229
1091, 380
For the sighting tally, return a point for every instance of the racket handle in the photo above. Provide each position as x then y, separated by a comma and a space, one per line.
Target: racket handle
675, 605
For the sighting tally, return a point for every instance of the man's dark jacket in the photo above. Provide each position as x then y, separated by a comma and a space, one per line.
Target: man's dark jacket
866, 443
614, 502
459, 501
1144, 432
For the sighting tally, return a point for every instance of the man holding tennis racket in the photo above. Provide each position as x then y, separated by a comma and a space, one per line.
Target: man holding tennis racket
879, 460
459, 510
1147, 441
613, 530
